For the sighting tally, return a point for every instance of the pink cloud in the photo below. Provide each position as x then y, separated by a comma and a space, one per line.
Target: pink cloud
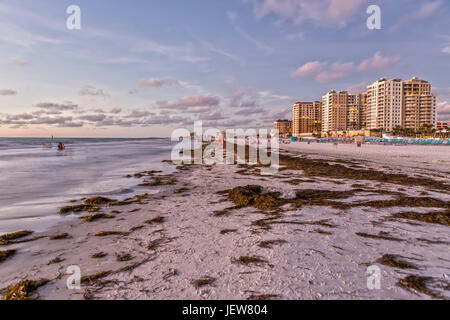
378, 62
308, 69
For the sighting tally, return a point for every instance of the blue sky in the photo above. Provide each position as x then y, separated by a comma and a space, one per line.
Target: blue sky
143, 68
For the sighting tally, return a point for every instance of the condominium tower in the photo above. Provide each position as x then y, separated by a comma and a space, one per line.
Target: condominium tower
306, 118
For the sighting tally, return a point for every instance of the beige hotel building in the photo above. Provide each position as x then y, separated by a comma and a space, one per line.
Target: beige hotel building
306, 118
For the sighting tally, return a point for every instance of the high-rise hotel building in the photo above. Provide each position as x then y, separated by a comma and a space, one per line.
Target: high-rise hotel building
306, 118
419, 105
385, 104
342, 111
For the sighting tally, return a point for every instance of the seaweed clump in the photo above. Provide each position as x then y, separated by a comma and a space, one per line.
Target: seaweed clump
7, 238
59, 236
90, 205
23, 290
90, 279
7, 254
99, 255
250, 260
110, 233
395, 262
419, 284
203, 282
437, 217
253, 196
95, 217
269, 244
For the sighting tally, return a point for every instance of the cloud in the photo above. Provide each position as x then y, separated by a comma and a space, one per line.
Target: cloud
311, 68
423, 12
443, 110
17, 62
336, 72
446, 50
300, 11
378, 62
357, 88
92, 91
116, 111
271, 117
324, 72
139, 114
157, 83
198, 101
57, 106
261, 46
226, 54
295, 36
250, 111
94, 118
7, 92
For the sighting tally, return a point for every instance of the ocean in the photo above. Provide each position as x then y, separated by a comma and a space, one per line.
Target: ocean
36, 180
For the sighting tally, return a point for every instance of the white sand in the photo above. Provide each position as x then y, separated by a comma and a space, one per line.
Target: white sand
424, 157
309, 265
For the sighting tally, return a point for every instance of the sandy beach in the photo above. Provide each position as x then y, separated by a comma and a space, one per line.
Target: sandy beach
308, 232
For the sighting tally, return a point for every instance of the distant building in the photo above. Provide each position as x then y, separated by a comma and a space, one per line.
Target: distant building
419, 105
354, 111
385, 104
284, 127
334, 111
306, 118
443, 125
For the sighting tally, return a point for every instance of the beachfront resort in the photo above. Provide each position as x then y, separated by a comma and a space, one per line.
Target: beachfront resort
389, 111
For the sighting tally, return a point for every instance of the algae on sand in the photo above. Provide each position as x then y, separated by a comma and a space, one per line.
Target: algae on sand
7, 238
23, 290
7, 254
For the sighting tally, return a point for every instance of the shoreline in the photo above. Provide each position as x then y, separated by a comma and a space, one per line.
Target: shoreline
192, 242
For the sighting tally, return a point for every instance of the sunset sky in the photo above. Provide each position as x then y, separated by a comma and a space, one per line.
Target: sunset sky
143, 68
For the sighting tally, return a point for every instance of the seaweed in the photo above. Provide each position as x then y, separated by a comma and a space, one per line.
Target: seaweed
203, 282
269, 244
92, 278
323, 168
7, 238
250, 260
253, 196
226, 231
181, 190
322, 232
55, 261
78, 208
157, 220
95, 217
381, 236
124, 257
7, 254
437, 217
419, 284
24, 290
395, 262
99, 255
98, 201
110, 233
59, 236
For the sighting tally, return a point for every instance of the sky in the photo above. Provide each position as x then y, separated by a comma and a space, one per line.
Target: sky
144, 68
